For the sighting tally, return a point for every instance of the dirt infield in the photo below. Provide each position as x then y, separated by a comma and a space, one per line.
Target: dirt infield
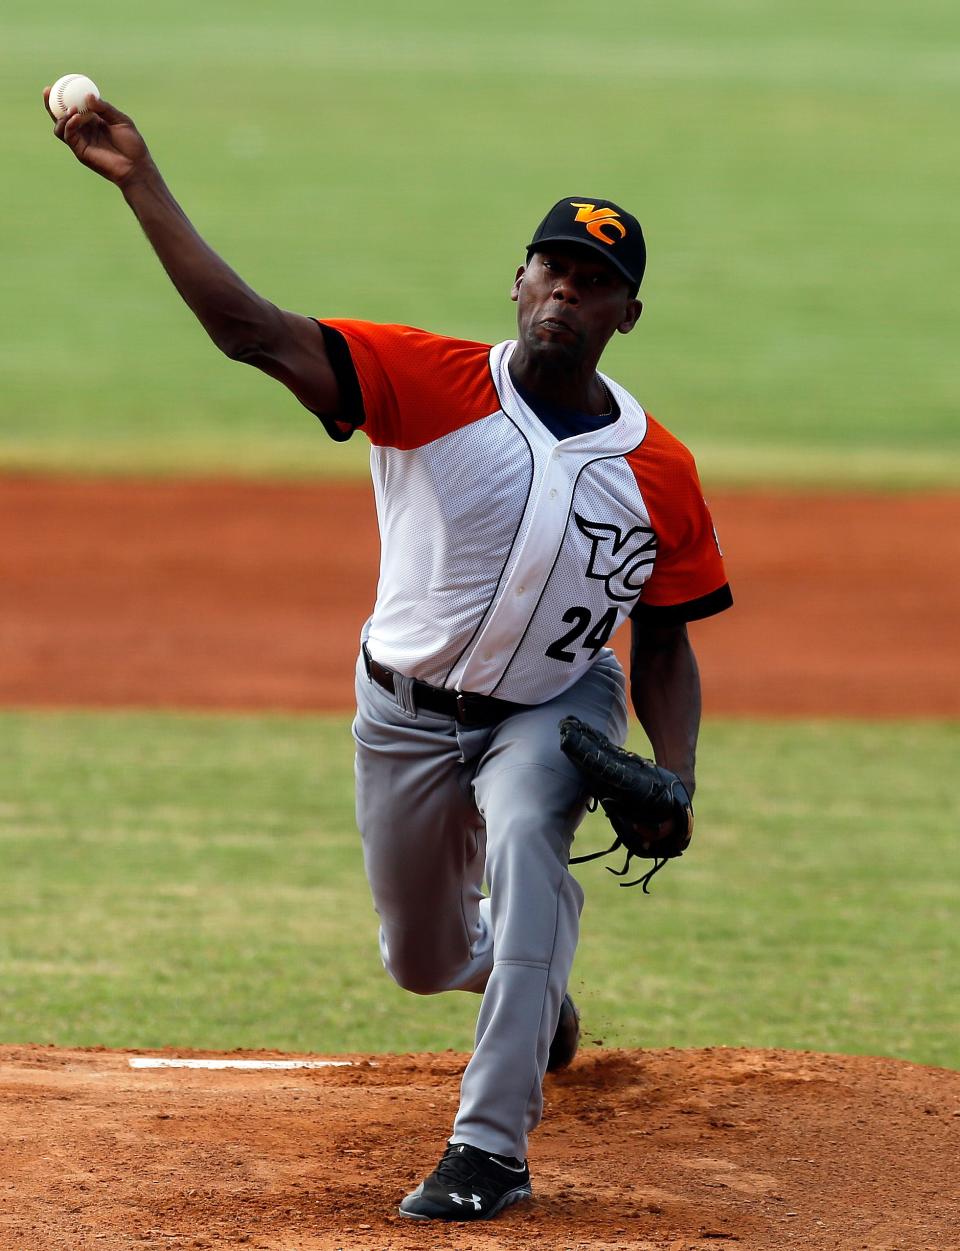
673, 1150
251, 596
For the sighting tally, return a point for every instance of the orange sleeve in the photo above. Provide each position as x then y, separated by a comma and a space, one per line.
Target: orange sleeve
688, 579
416, 386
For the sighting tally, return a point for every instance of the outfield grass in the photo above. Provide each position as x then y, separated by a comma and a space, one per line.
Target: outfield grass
793, 166
196, 881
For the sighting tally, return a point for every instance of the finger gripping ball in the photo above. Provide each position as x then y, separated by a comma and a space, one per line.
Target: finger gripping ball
70, 92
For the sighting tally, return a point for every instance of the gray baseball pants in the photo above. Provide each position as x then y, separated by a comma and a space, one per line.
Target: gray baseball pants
442, 808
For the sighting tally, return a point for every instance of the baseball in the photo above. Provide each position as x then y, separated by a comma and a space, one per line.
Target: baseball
71, 92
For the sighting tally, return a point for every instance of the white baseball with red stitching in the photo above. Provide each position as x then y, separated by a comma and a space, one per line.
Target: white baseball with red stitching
71, 92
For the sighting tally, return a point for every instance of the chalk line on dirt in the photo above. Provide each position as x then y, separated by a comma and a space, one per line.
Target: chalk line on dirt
176, 1062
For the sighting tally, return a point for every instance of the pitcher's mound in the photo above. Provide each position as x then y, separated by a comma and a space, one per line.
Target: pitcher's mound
674, 1150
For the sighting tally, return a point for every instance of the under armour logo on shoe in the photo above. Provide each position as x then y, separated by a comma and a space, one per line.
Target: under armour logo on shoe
474, 1199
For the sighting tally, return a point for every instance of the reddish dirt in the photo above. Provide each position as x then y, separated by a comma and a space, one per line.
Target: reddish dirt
251, 596
672, 1150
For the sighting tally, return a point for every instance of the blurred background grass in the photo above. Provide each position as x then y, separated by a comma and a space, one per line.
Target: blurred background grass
794, 167
195, 881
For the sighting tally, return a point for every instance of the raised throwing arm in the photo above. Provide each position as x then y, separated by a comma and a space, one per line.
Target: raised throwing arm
243, 325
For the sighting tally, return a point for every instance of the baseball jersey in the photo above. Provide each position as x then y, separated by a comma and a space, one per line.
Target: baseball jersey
509, 557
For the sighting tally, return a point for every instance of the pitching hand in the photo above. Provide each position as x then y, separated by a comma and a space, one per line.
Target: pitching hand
104, 139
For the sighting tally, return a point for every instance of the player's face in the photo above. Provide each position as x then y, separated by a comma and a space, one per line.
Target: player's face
570, 302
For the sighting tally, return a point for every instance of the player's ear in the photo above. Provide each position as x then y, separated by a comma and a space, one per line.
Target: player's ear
515, 293
634, 309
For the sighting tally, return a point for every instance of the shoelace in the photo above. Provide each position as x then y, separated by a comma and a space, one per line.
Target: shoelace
458, 1166
455, 1166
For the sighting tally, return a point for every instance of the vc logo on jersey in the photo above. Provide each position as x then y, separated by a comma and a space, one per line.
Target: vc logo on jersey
620, 561
600, 221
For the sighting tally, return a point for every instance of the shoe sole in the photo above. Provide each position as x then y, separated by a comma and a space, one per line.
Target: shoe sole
506, 1201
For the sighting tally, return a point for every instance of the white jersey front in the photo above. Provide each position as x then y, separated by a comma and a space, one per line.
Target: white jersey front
509, 558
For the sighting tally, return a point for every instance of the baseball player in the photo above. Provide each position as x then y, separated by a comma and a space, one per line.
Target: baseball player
528, 506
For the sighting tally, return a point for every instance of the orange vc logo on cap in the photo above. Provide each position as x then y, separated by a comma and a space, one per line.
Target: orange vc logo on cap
596, 218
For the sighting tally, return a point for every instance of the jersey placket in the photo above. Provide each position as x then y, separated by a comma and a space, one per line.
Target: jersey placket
543, 529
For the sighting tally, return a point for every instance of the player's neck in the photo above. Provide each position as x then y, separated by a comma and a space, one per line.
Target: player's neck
577, 387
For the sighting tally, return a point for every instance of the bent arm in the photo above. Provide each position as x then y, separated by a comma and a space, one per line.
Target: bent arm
665, 691
243, 325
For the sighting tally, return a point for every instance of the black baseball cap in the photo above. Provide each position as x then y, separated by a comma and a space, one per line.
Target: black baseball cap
597, 224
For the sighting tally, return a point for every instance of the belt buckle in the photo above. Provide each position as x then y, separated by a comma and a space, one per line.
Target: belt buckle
474, 710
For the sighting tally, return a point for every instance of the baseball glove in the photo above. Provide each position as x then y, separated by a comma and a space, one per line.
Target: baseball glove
648, 806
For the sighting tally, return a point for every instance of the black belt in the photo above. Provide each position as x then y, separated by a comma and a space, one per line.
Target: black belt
467, 708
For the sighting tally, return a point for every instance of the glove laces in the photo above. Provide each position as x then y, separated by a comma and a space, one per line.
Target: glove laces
658, 861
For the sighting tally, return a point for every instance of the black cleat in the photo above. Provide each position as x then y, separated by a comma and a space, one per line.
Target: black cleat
566, 1037
468, 1185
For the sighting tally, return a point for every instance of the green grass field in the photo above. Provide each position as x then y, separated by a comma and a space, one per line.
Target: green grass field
196, 881
793, 165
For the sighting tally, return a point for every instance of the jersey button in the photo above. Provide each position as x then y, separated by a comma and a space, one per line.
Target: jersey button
553, 493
